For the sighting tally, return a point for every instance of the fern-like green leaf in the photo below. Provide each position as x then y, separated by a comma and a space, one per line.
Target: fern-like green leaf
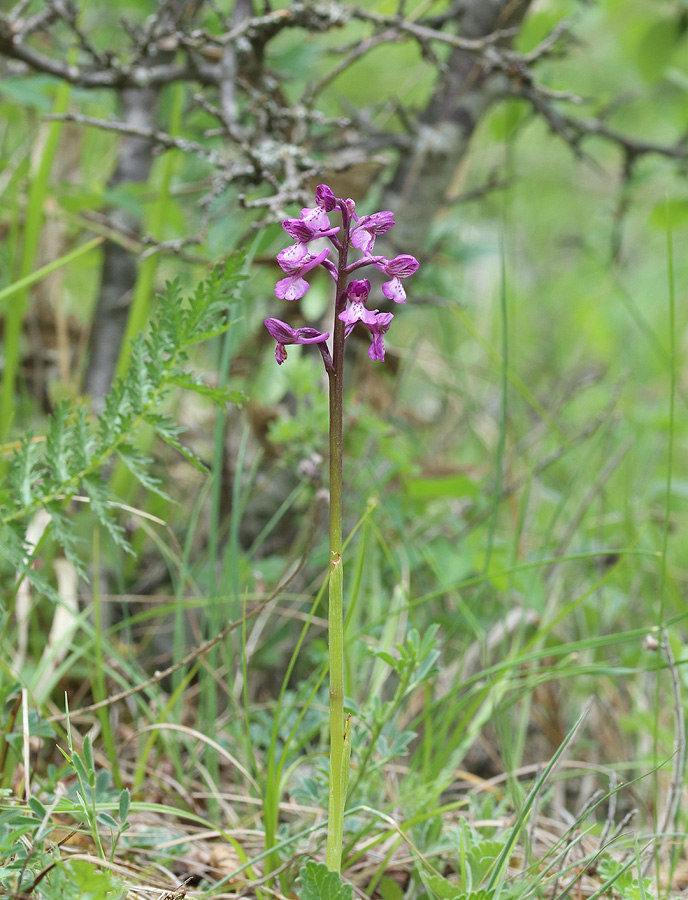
138, 465
47, 474
98, 493
13, 550
58, 446
63, 534
218, 394
25, 471
166, 429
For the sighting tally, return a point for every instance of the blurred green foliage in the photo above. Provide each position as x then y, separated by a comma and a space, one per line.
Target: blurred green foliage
435, 553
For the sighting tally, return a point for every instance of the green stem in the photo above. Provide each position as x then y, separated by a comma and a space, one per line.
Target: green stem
340, 733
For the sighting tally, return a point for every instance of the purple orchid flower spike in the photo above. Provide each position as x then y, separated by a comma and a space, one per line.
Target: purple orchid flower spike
294, 286
358, 292
381, 327
285, 334
368, 227
349, 309
350, 305
399, 267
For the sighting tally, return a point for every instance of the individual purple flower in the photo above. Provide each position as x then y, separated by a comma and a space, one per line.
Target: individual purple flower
381, 327
399, 267
294, 286
358, 294
316, 217
364, 232
285, 334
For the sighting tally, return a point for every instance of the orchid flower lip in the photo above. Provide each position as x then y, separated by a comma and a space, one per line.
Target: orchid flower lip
294, 286
358, 292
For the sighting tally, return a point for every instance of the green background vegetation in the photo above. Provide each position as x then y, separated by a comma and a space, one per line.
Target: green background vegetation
523, 447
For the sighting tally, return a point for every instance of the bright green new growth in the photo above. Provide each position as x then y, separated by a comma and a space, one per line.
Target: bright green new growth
45, 474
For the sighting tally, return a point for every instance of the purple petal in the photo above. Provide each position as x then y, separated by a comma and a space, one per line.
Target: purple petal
298, 229
358, 313
363, 236
311, 336
285, 334
377, 348
394, 290
358, 290
384, 320
296, 266
315, 218
400, 267
280, 331
325, 198
292, 256
291, 288
377, 223
363, 241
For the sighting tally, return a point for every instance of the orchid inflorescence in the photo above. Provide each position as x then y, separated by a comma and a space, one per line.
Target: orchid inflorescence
296, 261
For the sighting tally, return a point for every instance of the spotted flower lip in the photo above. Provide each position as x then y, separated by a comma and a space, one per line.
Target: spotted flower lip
294, 286
356, 312
368, 227
285, 334
400, 267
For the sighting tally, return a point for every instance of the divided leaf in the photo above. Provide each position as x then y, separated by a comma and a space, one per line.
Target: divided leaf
47, 474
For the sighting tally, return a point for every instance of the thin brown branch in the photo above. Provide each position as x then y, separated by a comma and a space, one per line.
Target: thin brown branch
575, 130
117, 75
161, 138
